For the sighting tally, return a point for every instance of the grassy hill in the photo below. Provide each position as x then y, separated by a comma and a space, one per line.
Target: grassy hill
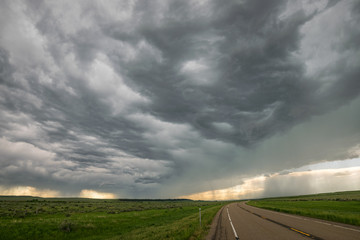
341, 207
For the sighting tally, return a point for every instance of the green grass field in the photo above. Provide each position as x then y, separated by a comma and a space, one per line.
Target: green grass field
41, 218
341, 207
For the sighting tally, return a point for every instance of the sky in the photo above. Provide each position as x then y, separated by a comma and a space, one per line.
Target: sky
203, 99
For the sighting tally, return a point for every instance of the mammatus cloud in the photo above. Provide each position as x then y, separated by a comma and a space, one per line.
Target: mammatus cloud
145, 100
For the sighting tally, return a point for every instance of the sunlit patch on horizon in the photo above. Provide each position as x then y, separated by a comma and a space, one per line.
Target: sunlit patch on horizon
28, 191
287, 183
89, 193
250, 188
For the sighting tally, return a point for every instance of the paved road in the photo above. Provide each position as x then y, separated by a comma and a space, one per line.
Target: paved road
247, 222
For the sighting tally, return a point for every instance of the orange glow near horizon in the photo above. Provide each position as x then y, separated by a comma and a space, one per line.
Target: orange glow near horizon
324, 180
293, 183
88, 193
251, 188
28, 191
48, 193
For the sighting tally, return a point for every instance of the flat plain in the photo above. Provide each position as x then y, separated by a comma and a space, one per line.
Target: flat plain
343, 207
75, 218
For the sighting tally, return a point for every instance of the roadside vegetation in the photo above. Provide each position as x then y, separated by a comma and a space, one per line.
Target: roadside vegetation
341, 207
45, 218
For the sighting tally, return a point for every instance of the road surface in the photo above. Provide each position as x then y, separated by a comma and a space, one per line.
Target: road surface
240, 221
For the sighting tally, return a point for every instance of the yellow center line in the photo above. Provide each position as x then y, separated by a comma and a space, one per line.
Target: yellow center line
284, 225
300, 232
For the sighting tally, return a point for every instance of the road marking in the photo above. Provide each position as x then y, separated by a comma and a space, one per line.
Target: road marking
288, 215
323, 223
347, 228
283, 225
236, 236
294, 229
338, 226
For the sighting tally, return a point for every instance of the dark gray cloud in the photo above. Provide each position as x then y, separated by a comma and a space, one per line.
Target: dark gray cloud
143, 99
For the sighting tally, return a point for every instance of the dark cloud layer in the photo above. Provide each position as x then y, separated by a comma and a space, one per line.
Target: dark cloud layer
142, 99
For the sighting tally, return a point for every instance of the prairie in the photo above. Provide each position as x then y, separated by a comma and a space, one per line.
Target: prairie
341, 207
42, 218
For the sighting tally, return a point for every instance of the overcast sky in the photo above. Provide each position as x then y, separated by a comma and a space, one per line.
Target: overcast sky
164, 99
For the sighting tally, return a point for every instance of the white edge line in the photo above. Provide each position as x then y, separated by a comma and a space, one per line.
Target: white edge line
347, 228
334, 225
323, 223
236, 236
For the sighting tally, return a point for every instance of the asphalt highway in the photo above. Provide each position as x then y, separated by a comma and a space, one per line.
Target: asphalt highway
240, 221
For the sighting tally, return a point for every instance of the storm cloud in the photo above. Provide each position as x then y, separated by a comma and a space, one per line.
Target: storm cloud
142, 99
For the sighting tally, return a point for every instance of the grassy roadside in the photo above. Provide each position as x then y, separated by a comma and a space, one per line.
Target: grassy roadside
105, 219
343, 207
184, 228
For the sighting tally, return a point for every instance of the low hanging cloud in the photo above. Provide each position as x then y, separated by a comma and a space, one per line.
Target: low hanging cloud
145, 99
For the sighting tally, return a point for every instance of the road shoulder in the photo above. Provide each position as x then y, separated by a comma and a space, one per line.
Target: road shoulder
214, 225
